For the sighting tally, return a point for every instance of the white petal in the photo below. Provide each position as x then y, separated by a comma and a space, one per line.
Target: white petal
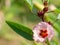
50, 32
41, 39
38, 38
43, 25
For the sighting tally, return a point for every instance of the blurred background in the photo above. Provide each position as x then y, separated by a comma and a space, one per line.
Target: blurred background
18, 11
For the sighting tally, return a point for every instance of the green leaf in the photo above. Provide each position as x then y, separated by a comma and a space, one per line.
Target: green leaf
29, 3
52, 18
57, 11
21, 30
54, 42
38, 4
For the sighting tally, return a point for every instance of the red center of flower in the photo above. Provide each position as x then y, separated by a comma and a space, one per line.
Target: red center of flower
43, 33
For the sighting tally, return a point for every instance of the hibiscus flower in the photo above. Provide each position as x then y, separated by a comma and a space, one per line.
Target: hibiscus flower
43, 31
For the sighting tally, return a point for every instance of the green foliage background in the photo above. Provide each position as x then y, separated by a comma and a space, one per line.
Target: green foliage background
24, 12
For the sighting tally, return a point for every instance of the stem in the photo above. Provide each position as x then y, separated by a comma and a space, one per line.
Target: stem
47, 42
42, 18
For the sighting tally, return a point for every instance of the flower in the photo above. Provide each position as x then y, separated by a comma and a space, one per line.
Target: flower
43, 31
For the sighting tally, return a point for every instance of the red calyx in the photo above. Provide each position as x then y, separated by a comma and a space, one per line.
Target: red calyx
45, 3
50, 23
40, 13
45, 9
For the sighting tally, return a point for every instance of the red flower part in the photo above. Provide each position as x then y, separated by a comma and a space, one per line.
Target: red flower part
45, 3
50, 23
45, 9
43, 31
40, 13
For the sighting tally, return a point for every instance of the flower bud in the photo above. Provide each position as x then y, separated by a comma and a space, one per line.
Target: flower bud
45, 9
40, 13
45, 3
